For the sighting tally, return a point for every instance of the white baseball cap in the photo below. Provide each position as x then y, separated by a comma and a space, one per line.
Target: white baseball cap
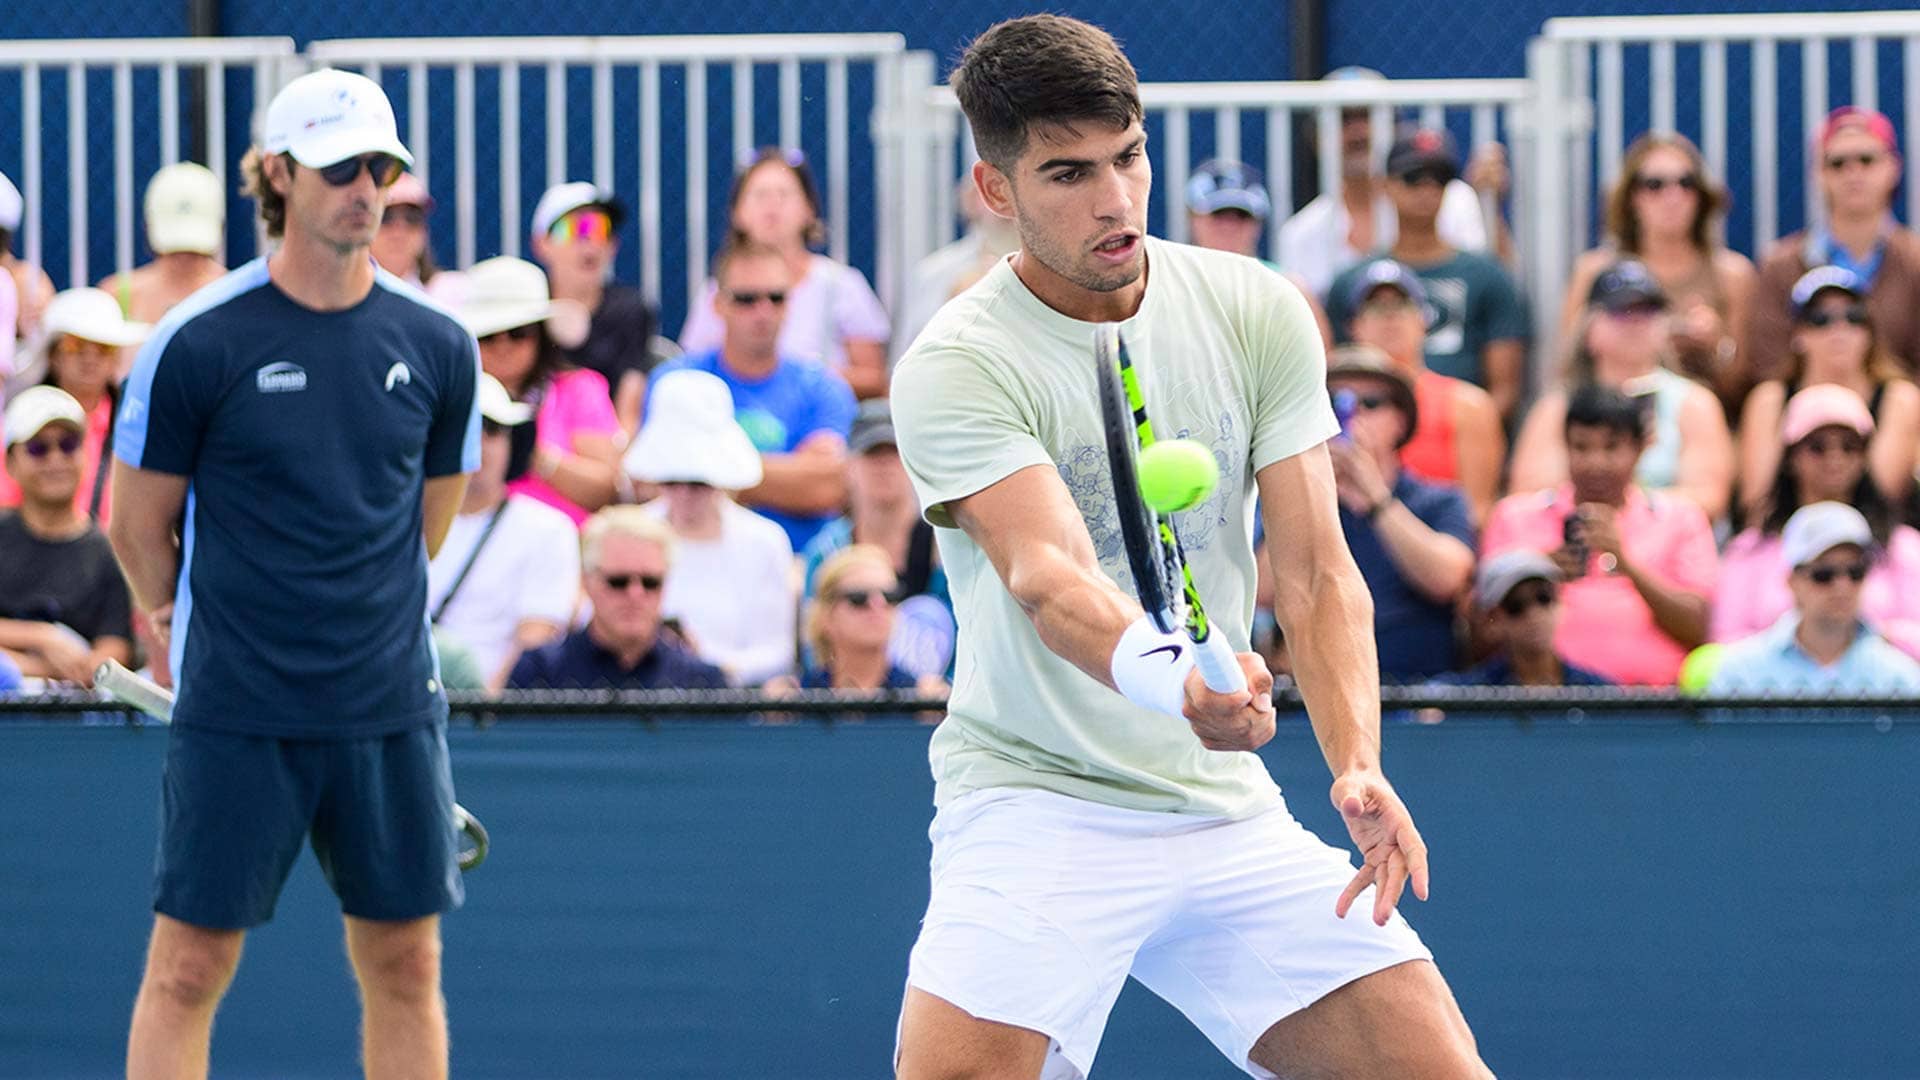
327, 116
35, 407
563, 199
11, 205
690, 436
498, 406
185, 210
94, 315
1818, 528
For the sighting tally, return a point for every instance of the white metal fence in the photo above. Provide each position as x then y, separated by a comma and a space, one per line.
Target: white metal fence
145, 123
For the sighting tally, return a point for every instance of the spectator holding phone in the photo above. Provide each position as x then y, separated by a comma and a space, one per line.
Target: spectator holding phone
1639, 564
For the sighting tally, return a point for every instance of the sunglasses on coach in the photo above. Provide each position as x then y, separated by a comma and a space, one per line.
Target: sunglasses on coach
384, 168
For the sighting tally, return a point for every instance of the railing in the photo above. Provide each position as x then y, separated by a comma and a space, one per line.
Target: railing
494, 72
146, 124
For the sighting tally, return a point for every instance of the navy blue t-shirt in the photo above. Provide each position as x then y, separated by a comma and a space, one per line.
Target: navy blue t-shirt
1414, 635
577, 662
779, 413
306, 437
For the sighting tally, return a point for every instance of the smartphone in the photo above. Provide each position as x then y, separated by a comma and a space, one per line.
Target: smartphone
1345, 404
1573, 535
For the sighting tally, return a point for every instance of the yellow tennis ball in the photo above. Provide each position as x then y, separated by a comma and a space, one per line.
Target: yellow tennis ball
1176, 474
1698, 669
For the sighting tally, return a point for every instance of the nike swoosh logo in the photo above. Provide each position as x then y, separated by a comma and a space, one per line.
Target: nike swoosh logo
1172, 650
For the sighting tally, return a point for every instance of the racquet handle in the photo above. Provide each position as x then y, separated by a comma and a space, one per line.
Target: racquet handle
1218, 666
143, 694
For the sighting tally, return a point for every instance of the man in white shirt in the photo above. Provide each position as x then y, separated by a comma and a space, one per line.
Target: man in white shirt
508, 577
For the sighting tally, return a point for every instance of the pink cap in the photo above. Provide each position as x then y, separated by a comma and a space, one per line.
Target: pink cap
1821, 406
1853, 117
409, 191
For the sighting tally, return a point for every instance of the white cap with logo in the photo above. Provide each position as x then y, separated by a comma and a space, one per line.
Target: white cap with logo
327, 116
1818, 528
35, 407
185, 210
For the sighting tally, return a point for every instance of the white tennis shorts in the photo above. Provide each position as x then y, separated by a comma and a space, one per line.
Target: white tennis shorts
1043, 904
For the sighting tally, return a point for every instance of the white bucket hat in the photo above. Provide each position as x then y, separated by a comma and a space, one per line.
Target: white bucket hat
93, 315
691, 437
504, 292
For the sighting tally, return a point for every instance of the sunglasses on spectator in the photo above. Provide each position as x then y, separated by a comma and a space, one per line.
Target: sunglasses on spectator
622, 582
1423, 177
411, 216
516, 333
1852, 315
775, 297
865, 597
1837, 162
1820, 445
384, 168
1657, 184
68, 444
582, 225
1519, 601
1828, 574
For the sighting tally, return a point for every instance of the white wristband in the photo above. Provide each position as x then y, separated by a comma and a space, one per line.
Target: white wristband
1150, 668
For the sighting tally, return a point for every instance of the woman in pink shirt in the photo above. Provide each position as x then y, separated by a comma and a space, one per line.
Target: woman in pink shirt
576, 435
1827, 430
833, 317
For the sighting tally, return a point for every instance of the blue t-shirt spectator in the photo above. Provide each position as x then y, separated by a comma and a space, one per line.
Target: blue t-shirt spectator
577, 662
1414, 634
779, 413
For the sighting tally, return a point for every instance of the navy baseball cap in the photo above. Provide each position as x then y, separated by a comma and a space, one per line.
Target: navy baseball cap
1386, 274
1626, 284
1427, 148
1819, 280
1228, 185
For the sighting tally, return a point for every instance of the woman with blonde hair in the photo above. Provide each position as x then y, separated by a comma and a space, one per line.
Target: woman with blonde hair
1664, 210
1834, 342
832, 315
848, 623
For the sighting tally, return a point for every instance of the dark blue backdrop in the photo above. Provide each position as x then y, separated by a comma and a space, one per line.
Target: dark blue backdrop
1634, 899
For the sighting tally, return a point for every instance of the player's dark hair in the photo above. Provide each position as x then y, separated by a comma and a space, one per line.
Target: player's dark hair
772, 157
254, 185
1042, 70
1594, 405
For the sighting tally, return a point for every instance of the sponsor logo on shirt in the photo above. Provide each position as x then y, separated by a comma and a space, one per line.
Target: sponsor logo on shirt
398, 375
285, 377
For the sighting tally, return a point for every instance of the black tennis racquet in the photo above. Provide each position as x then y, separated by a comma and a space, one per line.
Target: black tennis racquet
156, 701
1160, 574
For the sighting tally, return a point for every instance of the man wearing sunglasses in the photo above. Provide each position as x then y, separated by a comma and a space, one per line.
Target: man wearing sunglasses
625, 555
1822, 645
1480, 325
1516, 597
322, 414
1855, 161
63, 604
1412, 540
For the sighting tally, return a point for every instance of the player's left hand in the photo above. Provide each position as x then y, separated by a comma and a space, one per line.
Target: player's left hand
1383, 830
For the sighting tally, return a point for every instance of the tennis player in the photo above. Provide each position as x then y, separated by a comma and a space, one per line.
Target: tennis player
306, 419
1085, 832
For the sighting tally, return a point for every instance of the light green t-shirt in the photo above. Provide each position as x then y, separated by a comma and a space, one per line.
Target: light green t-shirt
1228, 355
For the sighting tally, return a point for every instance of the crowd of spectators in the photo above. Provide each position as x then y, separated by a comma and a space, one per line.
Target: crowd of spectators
1721, 454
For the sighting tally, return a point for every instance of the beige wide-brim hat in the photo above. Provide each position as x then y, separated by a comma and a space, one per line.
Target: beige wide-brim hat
504, 292
691, 437
94, 315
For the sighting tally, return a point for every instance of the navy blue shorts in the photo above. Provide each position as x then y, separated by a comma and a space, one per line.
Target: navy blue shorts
235, 810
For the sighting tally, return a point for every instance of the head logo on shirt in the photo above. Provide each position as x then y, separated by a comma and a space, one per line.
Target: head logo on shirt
285, 377
398, 375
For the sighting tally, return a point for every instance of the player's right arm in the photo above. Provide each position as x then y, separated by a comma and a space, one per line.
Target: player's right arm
146, 508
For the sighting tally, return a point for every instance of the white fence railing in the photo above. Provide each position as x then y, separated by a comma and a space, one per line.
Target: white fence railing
147, 122
406, 67
1580, 68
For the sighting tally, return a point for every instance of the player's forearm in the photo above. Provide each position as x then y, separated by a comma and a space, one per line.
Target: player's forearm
800, 483
149, 558
1327, 616
1078, 613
